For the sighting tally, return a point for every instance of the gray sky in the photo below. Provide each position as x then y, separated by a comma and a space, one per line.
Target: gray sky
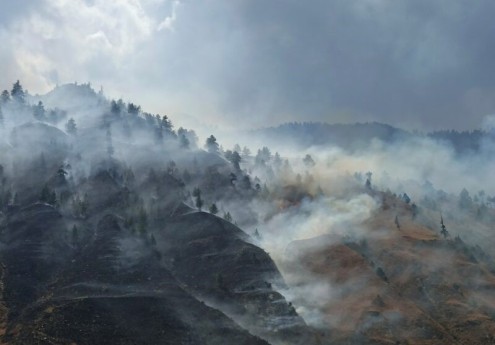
413, 63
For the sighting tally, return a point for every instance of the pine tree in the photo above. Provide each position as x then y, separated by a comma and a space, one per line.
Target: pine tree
166, 124
246, 152
133, 109
39, 111
368, 179
213, 209
309, 161
17, 92
227, 216
197, 194
211, 144
444, 231
115, 108
71, 127
236, 160
5, 97
183, 141
257, 234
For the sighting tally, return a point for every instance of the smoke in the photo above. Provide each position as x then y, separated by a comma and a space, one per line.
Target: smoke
342, 226
312, 210
324, 216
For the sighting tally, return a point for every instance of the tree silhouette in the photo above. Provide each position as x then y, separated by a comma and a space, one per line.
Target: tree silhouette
5, 97
246, 152
133, 109
369, 174
17, 92
227, 217
39, 111
406, 198
71, 127
213, 209
211, 144
308, 161
183, 141
197, 194
444, 231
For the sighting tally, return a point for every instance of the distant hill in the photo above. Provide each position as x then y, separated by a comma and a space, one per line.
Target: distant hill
72, 96
359, 136
348, 136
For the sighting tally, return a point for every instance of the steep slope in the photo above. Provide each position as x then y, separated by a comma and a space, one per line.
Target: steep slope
400, 285
215, 261
101, 295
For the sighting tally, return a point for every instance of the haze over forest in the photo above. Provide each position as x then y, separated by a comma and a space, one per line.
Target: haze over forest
246, 172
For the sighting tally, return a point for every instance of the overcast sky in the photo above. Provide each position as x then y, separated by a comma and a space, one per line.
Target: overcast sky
251, 63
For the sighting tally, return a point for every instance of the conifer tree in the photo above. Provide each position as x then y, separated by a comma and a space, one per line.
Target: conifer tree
71, 127
444, 231
211, 144
227, 216
39, 111
197, 194
18, 93
5, 97
213, 209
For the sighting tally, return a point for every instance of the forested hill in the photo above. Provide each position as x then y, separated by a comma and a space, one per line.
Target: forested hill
360, 135
104, 238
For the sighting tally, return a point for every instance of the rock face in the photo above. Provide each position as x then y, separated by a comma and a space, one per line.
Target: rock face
89, 296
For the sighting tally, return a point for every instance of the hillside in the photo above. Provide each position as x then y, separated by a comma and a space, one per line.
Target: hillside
399, 285
117, 228
100, 243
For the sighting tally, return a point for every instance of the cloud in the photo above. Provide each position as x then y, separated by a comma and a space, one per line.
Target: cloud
75, 40
168, 22
413, 63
